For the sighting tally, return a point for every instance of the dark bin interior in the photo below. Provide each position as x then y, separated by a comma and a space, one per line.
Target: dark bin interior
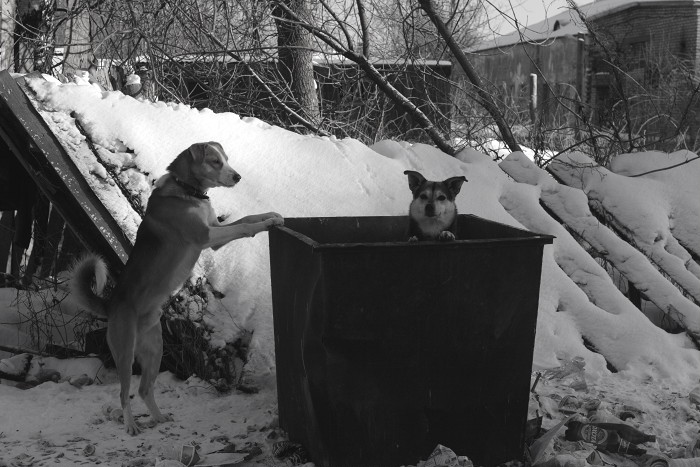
386, 348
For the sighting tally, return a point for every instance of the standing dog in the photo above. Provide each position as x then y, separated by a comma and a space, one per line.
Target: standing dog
433, 211
179, 223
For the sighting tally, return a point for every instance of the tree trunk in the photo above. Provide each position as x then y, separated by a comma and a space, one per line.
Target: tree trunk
7, 34
43, 53
295, 57
78, 53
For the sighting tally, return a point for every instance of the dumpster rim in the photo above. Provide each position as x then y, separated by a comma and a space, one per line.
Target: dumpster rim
529, 237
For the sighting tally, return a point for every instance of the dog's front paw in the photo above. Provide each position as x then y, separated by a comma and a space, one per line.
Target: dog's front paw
412, 239
271, 215
273, 222
446, 236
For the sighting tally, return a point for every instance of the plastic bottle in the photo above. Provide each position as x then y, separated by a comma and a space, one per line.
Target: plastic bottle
695, 462
628, 432
609, 441
655, 461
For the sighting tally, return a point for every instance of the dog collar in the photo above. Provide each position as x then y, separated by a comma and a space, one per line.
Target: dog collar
190, 190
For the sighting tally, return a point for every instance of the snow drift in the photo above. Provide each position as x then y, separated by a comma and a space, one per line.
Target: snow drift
581, 312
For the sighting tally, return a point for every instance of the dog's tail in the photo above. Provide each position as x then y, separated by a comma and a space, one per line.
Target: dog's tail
88, 278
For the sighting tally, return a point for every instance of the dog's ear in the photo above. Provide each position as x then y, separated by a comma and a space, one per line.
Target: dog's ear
198, 151
415, 180
454, 184
180, 167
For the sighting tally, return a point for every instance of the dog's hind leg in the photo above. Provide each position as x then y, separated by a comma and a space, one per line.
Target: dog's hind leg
149, 354
122, 342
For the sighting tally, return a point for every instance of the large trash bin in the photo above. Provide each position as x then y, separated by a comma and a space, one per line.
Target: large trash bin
385, 348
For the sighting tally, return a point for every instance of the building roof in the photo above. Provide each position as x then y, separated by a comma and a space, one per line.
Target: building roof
568, 22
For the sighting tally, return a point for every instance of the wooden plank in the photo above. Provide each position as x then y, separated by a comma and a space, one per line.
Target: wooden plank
14, 181
70, 250
7, 232
56, 175
22, 238
41, 222
54, 236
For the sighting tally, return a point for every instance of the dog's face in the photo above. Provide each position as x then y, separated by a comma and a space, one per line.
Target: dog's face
433, 200
210, 166
204, 165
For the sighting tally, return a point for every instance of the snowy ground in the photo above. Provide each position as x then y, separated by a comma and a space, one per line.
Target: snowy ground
580, 306
56, 423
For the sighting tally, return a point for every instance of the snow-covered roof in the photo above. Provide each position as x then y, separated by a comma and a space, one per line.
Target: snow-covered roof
568, 22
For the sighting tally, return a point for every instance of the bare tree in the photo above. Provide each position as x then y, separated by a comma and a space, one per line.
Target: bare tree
7, 31
485, 98
345, 47
295, 54
369, 69
640, 95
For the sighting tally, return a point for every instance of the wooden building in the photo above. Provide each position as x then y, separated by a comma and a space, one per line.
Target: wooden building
653, 45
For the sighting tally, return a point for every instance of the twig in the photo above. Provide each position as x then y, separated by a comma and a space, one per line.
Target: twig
666, 168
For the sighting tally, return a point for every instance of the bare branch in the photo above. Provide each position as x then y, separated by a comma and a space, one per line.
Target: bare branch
393, 93
486, 98
341, 25
306, 123
361, 12
667, 168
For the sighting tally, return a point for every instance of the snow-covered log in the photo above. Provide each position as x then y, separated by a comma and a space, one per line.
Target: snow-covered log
645, 210
581, 313
570, 205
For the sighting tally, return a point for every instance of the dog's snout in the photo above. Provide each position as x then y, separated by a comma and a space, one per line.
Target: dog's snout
429, 210
229, 177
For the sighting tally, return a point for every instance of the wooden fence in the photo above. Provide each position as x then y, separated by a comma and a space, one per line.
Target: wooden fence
35, 245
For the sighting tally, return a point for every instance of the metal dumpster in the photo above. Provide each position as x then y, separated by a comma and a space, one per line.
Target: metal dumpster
386, 348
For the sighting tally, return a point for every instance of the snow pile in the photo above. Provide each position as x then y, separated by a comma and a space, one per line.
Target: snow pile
299, 176
584, 321
679, 189
658, 212
571, 206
